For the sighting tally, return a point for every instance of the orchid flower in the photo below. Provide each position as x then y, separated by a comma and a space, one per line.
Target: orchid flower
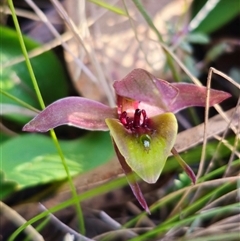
143, 126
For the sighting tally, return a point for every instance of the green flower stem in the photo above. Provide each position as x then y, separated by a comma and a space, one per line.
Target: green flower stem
40, 99
71, 184
152, 26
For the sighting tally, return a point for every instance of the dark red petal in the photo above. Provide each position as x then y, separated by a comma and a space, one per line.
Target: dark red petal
139, 85
132, 180
76, 111
184, 165
142, 88
193, 95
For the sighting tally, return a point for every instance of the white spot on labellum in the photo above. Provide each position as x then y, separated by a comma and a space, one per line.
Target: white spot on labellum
146, 141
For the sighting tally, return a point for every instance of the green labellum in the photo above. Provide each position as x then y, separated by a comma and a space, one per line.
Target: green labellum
146, 154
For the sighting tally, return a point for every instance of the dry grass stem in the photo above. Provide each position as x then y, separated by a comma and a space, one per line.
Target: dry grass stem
18, 220
89, 51
21, 13
44, 19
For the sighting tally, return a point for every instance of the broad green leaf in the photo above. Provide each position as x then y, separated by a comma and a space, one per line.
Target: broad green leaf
35, 160
15, 78
213, 14
196, 7
3, 137
146, 154
7, 187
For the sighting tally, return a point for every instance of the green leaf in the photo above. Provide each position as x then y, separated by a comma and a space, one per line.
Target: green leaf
146, 154
196, 7
4, 137
7, 187
182, 181
214, 18
216, 51
186, 47
35, 160
197, 38
15, 78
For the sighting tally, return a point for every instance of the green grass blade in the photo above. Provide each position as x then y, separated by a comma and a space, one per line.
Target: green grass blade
204, 215
17, 100
117, 183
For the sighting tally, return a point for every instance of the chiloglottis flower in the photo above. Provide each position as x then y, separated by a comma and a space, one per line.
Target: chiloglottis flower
143, 126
